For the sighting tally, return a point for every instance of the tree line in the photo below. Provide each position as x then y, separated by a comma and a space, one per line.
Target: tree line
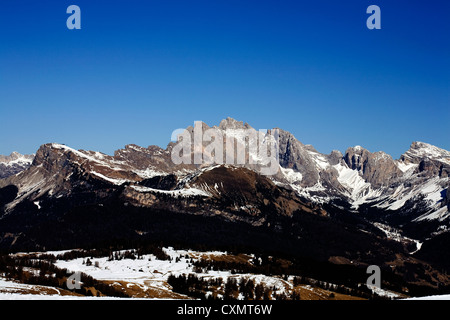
269, 266
231, 289
112, 252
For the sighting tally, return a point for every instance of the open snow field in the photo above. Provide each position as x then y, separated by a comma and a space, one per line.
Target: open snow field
146, 277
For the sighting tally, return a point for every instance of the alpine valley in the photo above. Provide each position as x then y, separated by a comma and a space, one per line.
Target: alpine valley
327, 216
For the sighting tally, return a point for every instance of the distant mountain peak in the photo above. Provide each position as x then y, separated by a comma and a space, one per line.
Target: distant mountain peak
16, 157
14, 163
421, 150
230, 123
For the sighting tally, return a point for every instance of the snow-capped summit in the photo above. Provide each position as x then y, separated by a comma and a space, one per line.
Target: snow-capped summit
14, 163
16, 157
421, 150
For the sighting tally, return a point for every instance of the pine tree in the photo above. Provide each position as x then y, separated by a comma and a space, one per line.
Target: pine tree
259, 291
249, 288
230, 288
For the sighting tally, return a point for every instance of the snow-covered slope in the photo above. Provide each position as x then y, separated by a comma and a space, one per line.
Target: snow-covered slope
419, 179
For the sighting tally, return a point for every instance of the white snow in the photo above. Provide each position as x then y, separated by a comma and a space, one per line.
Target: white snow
418, 246
149, 173
394, 234
320, 161
390, 232
32, 184
150, 272
11, 287
21, 160
436, 297
76, 152
112, 180
357, 188
439, 214
186, 192
350, 179
37, 204
96, 157
18, 296
383, 292
12, 290
381, 155
314, 193
425, 150
431, 190
404, 167
291, 175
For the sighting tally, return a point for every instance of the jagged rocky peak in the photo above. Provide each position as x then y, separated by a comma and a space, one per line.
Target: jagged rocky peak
132, 151
355, 157
230, 123
54, 155
421, 150
335, 157
134, 147
225, 124
295, 155
204, 126
289, 148
429, 159
377, 168
141, 158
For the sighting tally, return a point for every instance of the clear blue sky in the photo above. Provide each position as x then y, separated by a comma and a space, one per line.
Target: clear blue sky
137, 70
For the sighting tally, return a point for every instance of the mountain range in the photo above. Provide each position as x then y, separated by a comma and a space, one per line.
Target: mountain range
14, 163
356, 209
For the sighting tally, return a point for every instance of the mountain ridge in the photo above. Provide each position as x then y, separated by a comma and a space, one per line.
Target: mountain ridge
368, 200
358, 175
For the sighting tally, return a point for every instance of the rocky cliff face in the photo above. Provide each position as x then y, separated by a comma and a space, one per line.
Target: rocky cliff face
378, 168
447, 196
430, 159
295, 155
